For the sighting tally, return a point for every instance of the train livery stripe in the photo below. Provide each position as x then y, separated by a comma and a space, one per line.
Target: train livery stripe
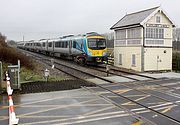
95, 37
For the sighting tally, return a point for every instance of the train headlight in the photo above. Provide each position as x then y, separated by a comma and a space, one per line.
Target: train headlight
90, 53
104, 53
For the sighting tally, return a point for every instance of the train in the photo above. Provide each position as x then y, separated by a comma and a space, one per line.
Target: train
90, 48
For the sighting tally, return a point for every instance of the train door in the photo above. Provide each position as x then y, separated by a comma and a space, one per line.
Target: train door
46, 48
53, 47
70, 47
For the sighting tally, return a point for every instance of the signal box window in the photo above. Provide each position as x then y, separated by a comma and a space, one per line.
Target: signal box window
158, 19
120, 59
133, 60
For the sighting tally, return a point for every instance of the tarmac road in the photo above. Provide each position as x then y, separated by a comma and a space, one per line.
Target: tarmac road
67, 107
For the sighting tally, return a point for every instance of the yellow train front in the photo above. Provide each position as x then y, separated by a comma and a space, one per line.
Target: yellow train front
96, 49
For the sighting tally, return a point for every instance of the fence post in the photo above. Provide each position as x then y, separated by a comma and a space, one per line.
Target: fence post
14, 71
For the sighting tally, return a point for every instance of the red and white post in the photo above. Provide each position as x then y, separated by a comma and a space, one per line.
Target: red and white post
12, 116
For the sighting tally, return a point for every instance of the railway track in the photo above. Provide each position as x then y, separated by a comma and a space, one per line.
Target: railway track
172, 120
124, 74
127, 72
167, 87
87, 74
150, 108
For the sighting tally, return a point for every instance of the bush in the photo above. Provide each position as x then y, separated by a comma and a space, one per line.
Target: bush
11, 55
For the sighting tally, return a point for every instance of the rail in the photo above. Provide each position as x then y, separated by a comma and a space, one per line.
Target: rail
140, 104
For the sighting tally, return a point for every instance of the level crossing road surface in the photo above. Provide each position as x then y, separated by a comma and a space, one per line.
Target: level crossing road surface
67, 107
96, 106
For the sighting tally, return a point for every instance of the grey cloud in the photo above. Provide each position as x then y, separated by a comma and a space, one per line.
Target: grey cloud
36, 19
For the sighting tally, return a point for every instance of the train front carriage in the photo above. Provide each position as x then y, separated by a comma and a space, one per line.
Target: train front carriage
97, 50
91, 48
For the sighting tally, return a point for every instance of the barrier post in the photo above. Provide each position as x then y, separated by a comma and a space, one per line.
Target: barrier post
1, 76
1, 71
12, 116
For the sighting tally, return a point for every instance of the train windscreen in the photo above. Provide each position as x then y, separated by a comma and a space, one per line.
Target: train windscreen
96, 43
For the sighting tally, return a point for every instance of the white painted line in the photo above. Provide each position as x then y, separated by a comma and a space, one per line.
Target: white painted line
45, 110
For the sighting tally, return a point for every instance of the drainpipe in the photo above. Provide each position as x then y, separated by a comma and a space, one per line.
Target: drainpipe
142, 51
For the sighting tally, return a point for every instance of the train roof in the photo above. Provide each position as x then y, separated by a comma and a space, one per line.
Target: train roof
67, 37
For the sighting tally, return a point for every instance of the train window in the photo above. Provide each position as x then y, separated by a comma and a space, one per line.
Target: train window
59, 44
56, 44
92, 44
96, 43
43, 44
66, 44
50, 44
81, 43
74, 44
101, 43
62, 44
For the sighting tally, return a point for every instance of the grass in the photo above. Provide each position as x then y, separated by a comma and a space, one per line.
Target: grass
29, 75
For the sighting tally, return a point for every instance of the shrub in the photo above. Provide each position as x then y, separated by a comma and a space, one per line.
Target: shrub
11, 55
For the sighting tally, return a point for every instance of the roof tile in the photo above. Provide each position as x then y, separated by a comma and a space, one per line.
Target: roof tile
134, 18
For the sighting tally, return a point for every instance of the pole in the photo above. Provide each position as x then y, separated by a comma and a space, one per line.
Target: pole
107, 69
1, 86
1, 70
23, 38
157, 62
19, 74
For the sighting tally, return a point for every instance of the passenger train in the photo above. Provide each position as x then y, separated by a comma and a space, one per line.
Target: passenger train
84, 49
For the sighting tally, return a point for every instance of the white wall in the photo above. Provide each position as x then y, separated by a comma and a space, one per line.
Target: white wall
127, 57
152, 62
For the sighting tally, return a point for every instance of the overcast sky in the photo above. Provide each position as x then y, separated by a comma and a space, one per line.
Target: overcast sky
36, 19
